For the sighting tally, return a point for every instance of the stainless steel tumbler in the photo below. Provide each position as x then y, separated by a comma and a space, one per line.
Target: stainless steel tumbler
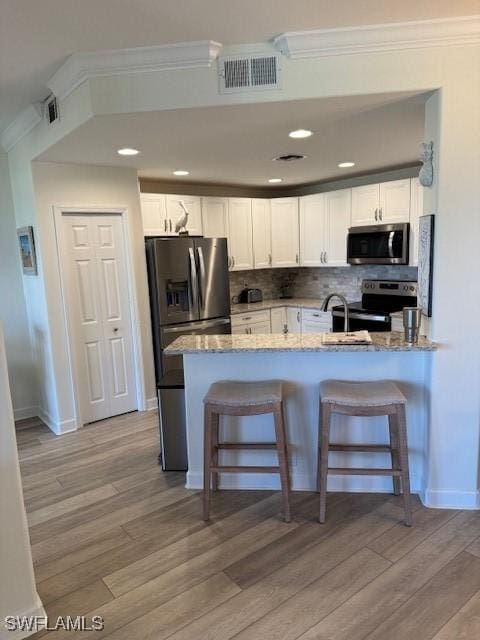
412, 319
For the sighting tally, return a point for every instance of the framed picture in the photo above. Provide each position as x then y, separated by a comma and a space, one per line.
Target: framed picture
27, 251
425, 263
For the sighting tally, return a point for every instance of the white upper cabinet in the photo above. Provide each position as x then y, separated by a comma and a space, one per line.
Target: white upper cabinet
395, 201
240, 245
262, 233
285, 232
416, 210
381, 203
175, 212
312, 230
214, 217
154, 214
365, 205
338, 208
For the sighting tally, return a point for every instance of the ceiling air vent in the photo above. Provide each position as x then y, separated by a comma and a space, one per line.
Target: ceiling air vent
51, 109
290, 157
249, 73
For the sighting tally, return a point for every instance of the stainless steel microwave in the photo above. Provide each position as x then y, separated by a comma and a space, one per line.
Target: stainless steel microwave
378, 244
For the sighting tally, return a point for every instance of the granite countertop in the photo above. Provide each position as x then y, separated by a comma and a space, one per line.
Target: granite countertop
306, 303
270, 343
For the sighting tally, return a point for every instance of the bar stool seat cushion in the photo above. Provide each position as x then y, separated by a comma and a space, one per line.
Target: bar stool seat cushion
230, 393
361, 394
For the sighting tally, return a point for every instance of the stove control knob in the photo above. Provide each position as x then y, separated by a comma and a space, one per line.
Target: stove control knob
412, 288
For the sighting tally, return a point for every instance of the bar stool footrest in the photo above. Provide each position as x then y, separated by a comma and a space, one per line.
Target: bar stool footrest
249, 469
358, 471
361, 448
247, 445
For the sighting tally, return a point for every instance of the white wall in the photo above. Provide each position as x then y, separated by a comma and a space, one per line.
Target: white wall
18, 595
70, 185
13, 313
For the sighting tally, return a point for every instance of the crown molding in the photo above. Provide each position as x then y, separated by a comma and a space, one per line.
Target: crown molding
23, 123
380, 37
82, 66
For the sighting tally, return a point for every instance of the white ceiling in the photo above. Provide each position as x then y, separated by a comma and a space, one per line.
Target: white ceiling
36, 36
236, 144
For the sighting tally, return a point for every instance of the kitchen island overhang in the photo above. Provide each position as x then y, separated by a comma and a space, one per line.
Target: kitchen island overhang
301, 362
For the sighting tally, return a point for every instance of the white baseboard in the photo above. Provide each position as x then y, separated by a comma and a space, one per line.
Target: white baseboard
25, 412
58, 427
36, 610
445, 499
152, 404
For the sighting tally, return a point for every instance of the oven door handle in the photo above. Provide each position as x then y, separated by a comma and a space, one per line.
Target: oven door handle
361, 316
391, 235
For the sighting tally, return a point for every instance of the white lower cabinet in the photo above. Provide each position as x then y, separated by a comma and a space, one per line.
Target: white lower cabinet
278, 320
314, 321
294, 319
254, 322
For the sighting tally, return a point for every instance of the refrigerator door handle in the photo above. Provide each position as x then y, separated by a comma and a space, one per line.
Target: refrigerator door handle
197, 325
201, 265
193, 279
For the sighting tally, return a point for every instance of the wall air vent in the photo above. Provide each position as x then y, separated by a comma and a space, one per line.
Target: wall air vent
51, 109
249, 73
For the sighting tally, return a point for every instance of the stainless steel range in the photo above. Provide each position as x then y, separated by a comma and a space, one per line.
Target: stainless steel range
380, 298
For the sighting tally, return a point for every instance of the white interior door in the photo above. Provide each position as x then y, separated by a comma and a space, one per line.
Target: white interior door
98, 305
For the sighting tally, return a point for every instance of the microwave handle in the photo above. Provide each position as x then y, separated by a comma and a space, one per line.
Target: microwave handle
390, 243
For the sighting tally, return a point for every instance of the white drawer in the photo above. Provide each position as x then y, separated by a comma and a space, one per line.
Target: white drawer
249, 317
314, 315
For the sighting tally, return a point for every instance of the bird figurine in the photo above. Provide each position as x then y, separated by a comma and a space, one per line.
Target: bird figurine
183, 221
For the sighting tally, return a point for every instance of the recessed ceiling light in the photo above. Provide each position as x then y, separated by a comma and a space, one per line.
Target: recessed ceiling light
127, 151
181, 172
301, 133
275, 180
346, 165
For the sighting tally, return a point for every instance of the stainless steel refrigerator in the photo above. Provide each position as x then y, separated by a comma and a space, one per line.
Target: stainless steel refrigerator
189, 294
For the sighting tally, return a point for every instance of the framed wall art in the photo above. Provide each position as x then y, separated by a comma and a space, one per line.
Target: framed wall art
27, 251
425, 263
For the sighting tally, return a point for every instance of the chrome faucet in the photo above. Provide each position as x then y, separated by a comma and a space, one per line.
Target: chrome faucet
345, 307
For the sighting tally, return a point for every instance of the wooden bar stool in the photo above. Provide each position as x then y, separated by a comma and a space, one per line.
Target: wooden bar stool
382, 398
243, 399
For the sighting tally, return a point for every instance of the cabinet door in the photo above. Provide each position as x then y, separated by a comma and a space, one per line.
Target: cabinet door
315, 327
395, 201
338, 208
240, 328
294, 320
262, 233
240, 234
175, 212
154, 214
214, 217
285, 234
416, 210
278, 319
260, 327
312, 230
365, 205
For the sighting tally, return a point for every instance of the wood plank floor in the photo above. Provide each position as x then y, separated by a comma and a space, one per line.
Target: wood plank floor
113, 536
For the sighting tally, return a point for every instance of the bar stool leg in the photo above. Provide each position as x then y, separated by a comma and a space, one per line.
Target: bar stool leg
394, 452
282, 458
207, 461
215, 440
322, 472
403, 453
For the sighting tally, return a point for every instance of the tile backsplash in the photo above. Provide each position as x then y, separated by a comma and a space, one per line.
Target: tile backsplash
317, 282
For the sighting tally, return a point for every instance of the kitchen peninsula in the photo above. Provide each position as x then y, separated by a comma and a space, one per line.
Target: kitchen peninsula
302, 362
